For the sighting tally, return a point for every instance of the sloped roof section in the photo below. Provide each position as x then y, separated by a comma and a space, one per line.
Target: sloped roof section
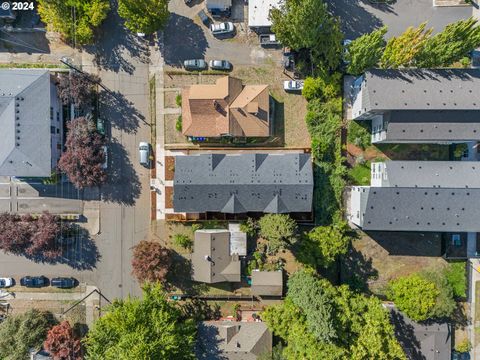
243, 183
24, 119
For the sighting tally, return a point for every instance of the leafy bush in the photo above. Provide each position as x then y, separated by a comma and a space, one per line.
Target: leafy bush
359, 133
360, 174
178, 100
456, 275
279, 230
150, 261
61, 342
178, 124
319, 88
463, 346
146, 16
183, 241
249, 226
196, 226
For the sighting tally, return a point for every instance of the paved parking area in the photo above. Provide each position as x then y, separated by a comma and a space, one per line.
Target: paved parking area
361, 16
187, 38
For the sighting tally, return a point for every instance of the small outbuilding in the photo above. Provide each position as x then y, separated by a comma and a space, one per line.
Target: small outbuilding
267, 283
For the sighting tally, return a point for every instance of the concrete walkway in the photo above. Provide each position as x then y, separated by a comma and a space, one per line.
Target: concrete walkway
473, 277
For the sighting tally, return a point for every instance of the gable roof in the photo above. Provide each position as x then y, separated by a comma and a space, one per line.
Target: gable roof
226, 107
421, 89
243, 183
427, 341
267, 283
212, 260
232, 340
24, 119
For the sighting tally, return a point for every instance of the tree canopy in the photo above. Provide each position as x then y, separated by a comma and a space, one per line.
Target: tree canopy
148, 328
365, 52
361, 326
62, 344
20, 333
307, 24
279, 230
146, 16
83, 158
77, 88
150, 261
74, 19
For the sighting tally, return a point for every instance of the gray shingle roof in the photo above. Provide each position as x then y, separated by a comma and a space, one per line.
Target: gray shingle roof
433, 125
232, 340
421, 89
212, 261
422, 209
243, 183
267, 283
25, 122
444, 174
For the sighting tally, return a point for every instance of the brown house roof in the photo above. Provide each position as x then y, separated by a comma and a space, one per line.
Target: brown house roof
227, 107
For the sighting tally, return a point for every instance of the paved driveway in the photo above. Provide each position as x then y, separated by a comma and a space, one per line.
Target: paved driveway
360, 16
187, 38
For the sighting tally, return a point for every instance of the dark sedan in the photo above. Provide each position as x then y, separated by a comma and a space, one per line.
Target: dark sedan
34, 281
63, 282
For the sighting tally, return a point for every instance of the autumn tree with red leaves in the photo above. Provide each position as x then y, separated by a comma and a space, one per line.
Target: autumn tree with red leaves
151, 261
62, 344
83, 158
77, 88
24, 234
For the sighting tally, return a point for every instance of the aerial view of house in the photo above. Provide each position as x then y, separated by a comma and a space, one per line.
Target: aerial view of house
223, 179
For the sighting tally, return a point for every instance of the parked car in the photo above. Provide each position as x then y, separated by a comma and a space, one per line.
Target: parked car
63, 282
221, 13
220, 65
34, 281
195, 64
293, 85
105, 151
6, 282
288, 59
144, 153
268, 40
205, 18
222, 28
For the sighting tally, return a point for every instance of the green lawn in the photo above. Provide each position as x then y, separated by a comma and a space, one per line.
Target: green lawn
359, 174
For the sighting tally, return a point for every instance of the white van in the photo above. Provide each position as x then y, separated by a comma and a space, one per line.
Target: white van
144, 152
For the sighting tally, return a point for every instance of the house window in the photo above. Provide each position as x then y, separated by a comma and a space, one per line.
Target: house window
58, 131
456, 241
58, 116
59, 146
52, 129
51, 113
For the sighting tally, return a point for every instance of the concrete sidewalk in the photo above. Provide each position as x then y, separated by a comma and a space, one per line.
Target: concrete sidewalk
473, 277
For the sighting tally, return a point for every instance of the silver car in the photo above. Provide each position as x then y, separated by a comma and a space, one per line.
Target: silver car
222, 28
144, 153
195, 64
220, 65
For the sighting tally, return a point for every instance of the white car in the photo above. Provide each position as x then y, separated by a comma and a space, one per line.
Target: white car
222, 28
293, 85
144, 153
6, 282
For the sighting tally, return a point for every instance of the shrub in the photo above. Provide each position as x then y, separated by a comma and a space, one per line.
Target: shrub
249, 227
359, 134
150, 261
457, 278
61, 343
463, 346
279, 230
178, 100
320, 88
183, 241
178, 124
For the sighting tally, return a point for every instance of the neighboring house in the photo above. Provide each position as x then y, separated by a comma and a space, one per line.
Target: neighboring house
258, 14
31, 123
216, 256
267, 283
243, 183
440, 196
232, 340
419, 105
226, 108
422, 341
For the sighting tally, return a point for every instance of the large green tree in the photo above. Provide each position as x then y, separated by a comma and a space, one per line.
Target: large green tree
20, 333
148, 328
75, 20
414, 295
444, 303
307, 24
402, 50
456, 41
365, 52
279, 230
362, 326
146, 16
324, 244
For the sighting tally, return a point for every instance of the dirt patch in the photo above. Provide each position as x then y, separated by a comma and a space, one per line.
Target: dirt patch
169, 197
169, 167
170, 98
376, 259
172, 135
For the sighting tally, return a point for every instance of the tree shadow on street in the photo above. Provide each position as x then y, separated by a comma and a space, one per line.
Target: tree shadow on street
120, 111
123, 185
114, 41
183, 40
